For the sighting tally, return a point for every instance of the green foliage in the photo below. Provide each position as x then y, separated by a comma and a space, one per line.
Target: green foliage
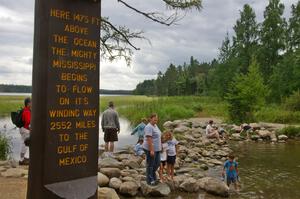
290, 131
292, 103
272, 37
4, 147
246, 95
10, 103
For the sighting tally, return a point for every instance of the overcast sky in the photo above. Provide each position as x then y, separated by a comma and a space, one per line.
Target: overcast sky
199, 34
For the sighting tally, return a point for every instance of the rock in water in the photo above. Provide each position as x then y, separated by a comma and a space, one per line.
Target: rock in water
107, 193
103, 180
129, 188
214, 186
159, 190
282, 137
190, 185
115, 183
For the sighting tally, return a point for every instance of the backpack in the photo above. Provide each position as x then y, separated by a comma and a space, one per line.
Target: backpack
16, 118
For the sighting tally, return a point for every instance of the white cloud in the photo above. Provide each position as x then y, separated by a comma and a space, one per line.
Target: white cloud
199, 34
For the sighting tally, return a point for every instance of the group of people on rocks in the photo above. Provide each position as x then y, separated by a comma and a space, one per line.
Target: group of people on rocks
159, 149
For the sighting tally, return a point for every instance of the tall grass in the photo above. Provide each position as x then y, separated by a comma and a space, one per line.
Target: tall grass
168, 108
10, 103
4, 147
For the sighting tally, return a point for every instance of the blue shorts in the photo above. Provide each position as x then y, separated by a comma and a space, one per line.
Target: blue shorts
171, 159
231, 180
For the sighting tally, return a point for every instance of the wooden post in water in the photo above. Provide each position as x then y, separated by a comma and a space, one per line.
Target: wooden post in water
65, 100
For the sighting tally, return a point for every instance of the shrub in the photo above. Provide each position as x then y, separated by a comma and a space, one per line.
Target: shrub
4, 147
292, 103
290, 131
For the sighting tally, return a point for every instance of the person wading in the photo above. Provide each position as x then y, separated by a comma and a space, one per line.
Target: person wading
111, 127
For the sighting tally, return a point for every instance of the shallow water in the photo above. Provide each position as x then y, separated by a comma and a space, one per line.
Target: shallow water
266, 170
8, 128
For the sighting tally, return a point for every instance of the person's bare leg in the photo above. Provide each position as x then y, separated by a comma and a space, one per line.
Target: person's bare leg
111, 147
106, 146
168, 170
161, 172
172, 172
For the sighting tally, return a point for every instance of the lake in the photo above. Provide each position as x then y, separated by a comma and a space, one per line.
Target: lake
266, 170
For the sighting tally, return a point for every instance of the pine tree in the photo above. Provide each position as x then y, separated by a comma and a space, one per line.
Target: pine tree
246, 36
247, 94
272, 37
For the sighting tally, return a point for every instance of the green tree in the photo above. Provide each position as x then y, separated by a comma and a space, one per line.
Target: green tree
247, 94
225, 52
294, 28
245, 40
272, 37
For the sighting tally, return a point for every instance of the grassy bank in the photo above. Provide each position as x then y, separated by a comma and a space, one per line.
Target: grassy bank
10, 103
170, 108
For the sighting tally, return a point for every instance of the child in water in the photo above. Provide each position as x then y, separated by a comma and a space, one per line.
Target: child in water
171, 154
231, 170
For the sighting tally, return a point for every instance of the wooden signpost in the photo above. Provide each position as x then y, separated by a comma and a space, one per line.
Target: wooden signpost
65, 99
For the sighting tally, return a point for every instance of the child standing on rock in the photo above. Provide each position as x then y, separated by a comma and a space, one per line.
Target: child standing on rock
163, 157
231, 169
171, 154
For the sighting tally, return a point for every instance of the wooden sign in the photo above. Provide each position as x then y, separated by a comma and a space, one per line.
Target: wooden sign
65, 98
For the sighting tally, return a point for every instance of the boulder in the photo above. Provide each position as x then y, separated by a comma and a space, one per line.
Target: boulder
214, 186
264, 134
169, 125
215, 162
107, 193
129, 172
255, 126
110, 163
160, 190
282, 137
103, 180
189, 185
115, 183
4, 163
14, 173
111, 172
236, 136
235, 129
181, 129
128, 178
221, 153
132, 163
2, 169
129, 188
254, 137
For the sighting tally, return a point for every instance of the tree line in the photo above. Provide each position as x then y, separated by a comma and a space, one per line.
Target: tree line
259, 63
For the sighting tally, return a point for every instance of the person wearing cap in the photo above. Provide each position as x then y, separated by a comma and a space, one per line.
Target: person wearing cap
25, 131
111, 127
211, 132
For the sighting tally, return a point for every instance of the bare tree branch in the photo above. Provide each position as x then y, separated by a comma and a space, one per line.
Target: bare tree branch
153, 15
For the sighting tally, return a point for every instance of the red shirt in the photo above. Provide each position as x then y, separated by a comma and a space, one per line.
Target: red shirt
26, 117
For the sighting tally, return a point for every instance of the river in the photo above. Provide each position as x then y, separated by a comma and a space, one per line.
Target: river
266, 170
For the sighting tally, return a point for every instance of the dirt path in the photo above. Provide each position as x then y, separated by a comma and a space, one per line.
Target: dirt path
13, 188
